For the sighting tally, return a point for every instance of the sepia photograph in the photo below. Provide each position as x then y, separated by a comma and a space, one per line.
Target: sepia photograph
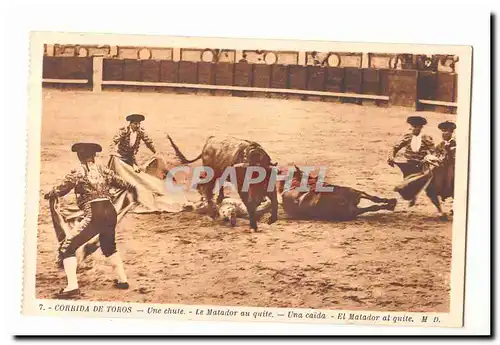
325, 181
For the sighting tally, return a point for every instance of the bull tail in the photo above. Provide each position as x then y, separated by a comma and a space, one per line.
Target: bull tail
180, 155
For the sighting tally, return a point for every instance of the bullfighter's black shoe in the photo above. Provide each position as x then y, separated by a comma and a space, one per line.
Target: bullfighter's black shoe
120, 285
392, 204
68, 294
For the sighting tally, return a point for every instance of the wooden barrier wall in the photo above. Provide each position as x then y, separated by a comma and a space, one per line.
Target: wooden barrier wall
403, 87
71, 68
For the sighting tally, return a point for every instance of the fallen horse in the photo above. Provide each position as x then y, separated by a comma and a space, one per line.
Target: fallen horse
341, 203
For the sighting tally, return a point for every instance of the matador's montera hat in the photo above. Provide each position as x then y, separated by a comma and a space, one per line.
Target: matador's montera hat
86, 147
416, 120
447, 126
135, 118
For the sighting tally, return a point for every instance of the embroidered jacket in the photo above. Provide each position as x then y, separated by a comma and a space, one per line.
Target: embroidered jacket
90, 184
447, 150
122, 140
426, 147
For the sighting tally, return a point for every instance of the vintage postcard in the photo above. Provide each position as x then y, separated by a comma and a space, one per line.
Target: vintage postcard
218, 179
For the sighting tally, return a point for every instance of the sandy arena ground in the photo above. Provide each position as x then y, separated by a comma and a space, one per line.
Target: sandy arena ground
382, 261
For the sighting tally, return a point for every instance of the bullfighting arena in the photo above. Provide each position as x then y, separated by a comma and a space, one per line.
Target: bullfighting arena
386, 261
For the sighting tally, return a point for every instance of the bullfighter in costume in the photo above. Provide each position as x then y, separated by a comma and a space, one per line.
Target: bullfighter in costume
128, 139
91, 183
416, 146
447, 147
149, 177
438, 174
446, 152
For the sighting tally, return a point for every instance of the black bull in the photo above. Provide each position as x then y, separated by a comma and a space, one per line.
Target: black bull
437, 179
222, 153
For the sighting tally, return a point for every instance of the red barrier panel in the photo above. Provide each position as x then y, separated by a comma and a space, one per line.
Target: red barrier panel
224, 73
445, 87
370, 82
427, 83
334, 81
455, 88
77, 68
51, 67
261, 76
383, 79
298, 77
426, 89
169, 71
150, 70
131, 70
279, 76
112, 69
67, 67
205, 73
315, 78
188, 72
353, 80
243, 74
243, 77
402, 87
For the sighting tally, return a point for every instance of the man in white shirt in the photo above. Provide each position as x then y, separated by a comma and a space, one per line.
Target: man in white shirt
416, 144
